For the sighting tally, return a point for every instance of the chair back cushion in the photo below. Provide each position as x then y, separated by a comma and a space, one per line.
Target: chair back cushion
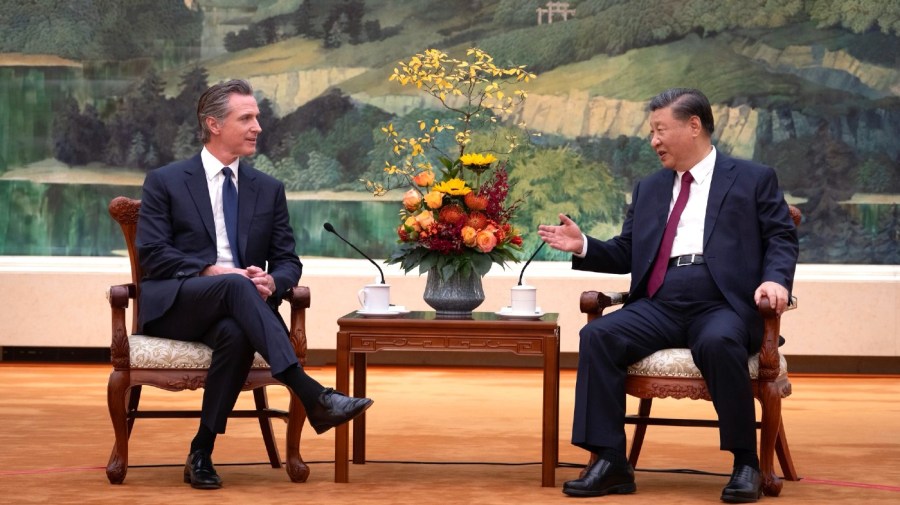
159, 353
678, 363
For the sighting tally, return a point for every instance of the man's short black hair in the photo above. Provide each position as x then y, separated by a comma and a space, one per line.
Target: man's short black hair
686, 102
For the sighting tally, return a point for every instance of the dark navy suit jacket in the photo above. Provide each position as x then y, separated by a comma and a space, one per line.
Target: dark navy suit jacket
176, 235
748, 237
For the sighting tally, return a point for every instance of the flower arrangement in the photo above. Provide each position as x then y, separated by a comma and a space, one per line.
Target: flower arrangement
452, 220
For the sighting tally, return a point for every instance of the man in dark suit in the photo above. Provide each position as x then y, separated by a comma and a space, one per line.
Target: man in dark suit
218, 252
725, 244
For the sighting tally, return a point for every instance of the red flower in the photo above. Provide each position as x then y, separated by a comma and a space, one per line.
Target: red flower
475, 202
452, 214
477, 220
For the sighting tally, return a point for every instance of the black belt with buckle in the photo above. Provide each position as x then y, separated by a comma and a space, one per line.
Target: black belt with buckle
687, 259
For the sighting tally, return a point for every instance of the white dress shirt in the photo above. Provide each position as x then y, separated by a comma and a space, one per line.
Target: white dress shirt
689, 234
214, 180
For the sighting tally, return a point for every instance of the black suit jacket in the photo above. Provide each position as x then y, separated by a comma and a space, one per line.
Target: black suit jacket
748, 238
176, 235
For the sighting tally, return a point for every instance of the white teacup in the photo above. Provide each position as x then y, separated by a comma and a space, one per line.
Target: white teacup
523, 299
375, 297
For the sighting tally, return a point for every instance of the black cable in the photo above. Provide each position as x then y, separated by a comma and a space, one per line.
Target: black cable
686, 471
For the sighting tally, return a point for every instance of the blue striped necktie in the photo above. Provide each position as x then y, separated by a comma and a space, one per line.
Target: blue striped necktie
230, 209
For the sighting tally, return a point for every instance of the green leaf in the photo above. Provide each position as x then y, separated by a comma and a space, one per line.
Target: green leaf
428, 261
448, 270
481, 263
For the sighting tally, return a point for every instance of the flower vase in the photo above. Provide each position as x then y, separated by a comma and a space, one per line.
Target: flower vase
455, 297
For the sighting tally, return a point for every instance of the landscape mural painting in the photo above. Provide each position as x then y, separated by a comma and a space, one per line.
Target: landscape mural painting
95, 93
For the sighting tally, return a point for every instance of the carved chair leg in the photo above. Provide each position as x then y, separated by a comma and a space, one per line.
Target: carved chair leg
640, 429
770, 400
116, 391
133, 399
784, 455
265, 425
297, 470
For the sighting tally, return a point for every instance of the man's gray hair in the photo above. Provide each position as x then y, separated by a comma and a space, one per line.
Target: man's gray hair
214, 103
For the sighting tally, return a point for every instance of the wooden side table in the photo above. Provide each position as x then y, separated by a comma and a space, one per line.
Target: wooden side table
421, 331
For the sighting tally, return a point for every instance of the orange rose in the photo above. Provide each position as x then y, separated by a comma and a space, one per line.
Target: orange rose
468, 235
412, 199
485, 241
434, 200
425, 219
412, 223
424, 179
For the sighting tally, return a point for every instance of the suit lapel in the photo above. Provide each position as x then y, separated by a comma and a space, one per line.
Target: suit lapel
723, 177
247, 192
649, 228
662, 200
197, 186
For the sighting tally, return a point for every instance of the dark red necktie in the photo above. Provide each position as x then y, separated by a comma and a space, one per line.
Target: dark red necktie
665, 248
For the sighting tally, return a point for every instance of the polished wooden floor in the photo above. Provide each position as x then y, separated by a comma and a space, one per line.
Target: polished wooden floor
436, 435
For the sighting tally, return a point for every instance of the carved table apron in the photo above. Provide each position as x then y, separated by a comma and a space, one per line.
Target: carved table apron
421, 331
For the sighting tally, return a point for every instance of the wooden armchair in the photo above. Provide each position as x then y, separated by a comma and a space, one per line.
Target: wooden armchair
671, 373
173, 365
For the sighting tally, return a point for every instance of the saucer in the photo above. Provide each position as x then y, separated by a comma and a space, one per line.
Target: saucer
392, 311
507, 313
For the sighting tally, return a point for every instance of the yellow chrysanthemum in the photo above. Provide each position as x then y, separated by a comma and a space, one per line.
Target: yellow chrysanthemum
453, 187
477, 159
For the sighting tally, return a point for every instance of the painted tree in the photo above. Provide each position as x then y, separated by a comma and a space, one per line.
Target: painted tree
554, 181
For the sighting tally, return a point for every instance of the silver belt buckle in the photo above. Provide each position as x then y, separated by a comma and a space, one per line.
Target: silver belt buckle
690, 261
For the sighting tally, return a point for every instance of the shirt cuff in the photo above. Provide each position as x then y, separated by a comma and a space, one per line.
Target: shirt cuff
583, 252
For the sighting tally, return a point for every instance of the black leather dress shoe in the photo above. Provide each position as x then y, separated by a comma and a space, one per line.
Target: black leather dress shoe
335, 408
199, 471
745, 486
602, 478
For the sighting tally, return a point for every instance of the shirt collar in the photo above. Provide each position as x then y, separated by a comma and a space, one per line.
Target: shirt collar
213, 167
704, 168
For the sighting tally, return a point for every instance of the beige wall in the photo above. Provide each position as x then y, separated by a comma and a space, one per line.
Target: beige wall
844, 310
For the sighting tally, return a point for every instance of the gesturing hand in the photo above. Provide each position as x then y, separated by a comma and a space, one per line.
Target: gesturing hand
564, 237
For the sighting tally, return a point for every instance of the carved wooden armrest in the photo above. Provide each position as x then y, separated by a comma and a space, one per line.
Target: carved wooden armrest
119, 296
594, 302
769, 356
299, 298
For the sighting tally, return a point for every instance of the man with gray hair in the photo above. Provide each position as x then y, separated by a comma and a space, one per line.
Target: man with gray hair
218, 251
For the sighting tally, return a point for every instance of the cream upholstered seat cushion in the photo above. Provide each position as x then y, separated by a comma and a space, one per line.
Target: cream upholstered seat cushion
157, 352
678, 363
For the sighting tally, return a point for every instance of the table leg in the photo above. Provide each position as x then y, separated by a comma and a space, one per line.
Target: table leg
550, 442
342, 432
359, 424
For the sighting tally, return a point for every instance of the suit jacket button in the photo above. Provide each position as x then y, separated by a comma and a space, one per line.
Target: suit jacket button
180, 274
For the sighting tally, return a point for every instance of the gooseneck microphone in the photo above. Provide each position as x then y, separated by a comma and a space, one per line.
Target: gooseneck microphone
330, 228
535, 254
529, 260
